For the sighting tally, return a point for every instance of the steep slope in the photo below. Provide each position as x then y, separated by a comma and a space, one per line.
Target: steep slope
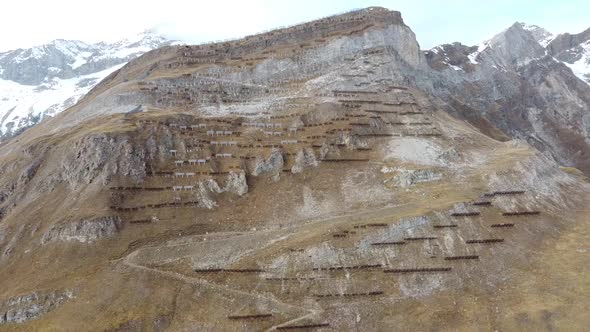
42, 81
305, 178
574, 50
542, 36
510, 86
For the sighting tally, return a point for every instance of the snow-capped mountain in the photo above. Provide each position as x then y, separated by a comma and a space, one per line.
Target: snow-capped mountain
518, 45
542, 36
44, 80
525, 82
574, 51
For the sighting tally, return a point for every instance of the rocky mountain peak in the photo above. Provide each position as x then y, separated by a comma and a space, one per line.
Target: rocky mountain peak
513, 47
574, 51
542, 36
455, 56
567, 41
516, 45
515, 85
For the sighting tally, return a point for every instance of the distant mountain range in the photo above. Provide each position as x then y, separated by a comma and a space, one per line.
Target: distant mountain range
42, 81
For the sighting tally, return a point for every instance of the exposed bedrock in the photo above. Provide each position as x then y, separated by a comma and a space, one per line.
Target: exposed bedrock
85, 231
24, 308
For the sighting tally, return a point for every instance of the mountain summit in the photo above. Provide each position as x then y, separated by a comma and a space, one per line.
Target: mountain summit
542, 36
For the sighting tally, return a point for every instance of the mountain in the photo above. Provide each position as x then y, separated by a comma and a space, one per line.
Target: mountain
325, 176
574, 51
512, 86
542, 36
42, 81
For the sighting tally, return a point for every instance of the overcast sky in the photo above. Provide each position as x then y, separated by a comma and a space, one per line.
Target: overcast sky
25, 23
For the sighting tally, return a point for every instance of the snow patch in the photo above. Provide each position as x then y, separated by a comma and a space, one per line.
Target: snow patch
24, 105
542, 36
545, 41
581, 68
80, 59
24, 101
54, 69
480, 48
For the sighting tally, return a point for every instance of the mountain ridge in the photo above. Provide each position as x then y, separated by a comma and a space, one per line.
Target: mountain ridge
513, 83
41, 81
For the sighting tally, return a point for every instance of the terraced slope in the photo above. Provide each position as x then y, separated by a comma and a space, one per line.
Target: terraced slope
294, 180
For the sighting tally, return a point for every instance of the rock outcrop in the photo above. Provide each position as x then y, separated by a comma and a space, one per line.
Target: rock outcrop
85, 231
272, 165
305, 158
564, 46
23, 308
409, 177
99, 157
236, 183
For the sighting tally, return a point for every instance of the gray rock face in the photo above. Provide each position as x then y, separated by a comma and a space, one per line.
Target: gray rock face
93, 159
272, 165
446, 55
573, 50
236, 183
98, 157
542, 36
513, 47
564, 43
304, 159
85, 231
512, 85
24, 308
206, 191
